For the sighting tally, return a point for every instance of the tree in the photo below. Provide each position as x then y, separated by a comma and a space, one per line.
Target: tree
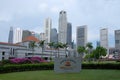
81, 50
89, 45
99, 52
65, 46
32, 45
41, 44
57, 46
51, 44
89, 48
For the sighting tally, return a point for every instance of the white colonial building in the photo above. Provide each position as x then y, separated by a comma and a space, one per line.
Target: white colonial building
22, 50
8, 50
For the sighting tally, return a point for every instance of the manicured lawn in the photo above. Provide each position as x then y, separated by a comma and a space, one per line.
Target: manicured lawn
85, 74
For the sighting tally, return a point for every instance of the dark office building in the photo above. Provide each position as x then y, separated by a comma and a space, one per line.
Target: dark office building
10, 38
54, 35
26, 33
69, 34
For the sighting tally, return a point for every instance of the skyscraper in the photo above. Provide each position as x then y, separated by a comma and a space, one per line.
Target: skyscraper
104, 38
69, 34
54, 35
10, 39
47, 25
81, 36
26, 33
62, 36
17, 35
117, 39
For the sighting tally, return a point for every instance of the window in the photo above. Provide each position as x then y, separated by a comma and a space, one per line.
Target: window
3, 53
26, 54
13, 51
116, 41
60, 12
46, 58
2, 58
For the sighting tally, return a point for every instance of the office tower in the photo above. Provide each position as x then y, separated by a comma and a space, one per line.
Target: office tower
62, 36
17, 35
104, 38
36, 35
117, 39
69, 34
10, 39
26, 33
47, 26
81, 36
54, 35
42, 36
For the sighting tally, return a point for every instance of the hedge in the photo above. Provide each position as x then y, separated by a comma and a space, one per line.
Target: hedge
101, 66
50, 66
25, 67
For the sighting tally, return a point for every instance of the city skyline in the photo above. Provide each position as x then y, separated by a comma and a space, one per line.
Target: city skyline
30, 15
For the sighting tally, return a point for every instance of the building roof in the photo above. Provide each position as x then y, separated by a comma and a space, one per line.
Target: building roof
30, 38
10, 44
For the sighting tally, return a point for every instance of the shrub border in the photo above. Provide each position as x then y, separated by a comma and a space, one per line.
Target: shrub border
50, 66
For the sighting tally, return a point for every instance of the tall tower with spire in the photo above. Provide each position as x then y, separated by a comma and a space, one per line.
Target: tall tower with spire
62, 36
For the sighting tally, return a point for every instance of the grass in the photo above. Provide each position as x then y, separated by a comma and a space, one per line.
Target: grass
85, 74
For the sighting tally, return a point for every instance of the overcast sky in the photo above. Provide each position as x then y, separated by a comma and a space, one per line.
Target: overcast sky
30, 15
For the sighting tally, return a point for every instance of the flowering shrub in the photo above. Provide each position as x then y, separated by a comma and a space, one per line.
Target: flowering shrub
37, 60
27, 60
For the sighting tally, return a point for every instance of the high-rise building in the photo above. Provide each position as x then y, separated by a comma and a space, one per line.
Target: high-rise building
81, 36
17, 35
104, 38
10, 39
26, 33
62, 36
42, 36
47, 26
69, 34
54, 35
117, 39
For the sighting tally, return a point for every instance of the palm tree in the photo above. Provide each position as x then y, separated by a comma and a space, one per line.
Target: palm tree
41, 44
81, 50
51, 44
32, 45
65, 46
57, 46
89, 47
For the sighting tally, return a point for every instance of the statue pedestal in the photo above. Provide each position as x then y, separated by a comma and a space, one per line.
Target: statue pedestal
67, 65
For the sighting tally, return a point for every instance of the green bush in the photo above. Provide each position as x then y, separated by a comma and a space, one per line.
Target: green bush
101, 66
25, 67
5, 62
